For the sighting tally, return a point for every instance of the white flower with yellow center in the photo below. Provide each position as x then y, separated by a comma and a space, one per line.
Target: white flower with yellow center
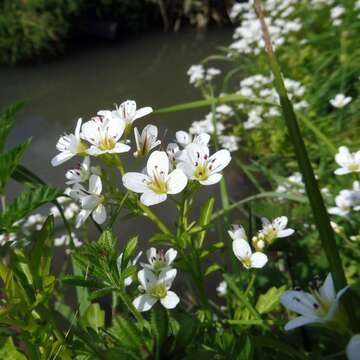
69, 145
349, 162
275, 229
158, 182
156, 289
158, 260
127, 112
243, 252
320, 306
198, 165
91, 201
104, 133
146, 141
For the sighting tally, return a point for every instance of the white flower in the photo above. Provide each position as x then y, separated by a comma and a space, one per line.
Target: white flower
103, 133
340, 101
91, 201
346, 200
222, 289
319, 306
184, 138
7, 238
146, 141
158, 260
196, 73
128, 113
349, 162
242, 251
79, 175
224, 110
229, 142
353, 348
173, 151
275, 229
157, 183
198, 165
156, 289
64, 240
211, 73
128, 281
69, 145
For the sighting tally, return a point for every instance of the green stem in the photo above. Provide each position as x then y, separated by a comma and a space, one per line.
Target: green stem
321, 216
127, 302
154, 218
251, 284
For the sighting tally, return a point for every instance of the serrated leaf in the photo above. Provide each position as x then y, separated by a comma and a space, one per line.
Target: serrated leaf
9, 161
127, 333
128, 252
30, 199
7, 121
269, 301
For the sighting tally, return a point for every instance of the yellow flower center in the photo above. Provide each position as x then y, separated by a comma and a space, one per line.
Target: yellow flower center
158, 184
107, 144
82, 148
201, 172
246, 262
353, 167
159, 291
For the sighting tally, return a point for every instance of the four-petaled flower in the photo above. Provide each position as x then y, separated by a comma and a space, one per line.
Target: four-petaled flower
69, 145
320, 306
198, 165
158, 260
349, 162
91, 201
158, 182
243, 252
146, 141
156, 289
103, 132
275, 229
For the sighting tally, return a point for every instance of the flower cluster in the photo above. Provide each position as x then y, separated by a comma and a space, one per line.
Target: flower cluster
199, 75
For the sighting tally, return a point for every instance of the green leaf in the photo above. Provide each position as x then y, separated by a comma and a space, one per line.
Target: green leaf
128, 252
7, 121
9, 161
101, 292
127, 332
188, 327
93, 317
9, 351
269, 301
159, 326
78, 280
212, 268
30, 199
204, 219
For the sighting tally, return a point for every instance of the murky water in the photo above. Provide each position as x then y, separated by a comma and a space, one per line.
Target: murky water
150, 69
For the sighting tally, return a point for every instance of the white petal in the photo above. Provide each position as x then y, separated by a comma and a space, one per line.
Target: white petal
158, 162
170, 301
238, 232
280, 222
299, 321
150, 198
142, 112
258, 260
202, 139
219, 160
90, 202
212, 179
341, 171
176, 181
120, 148
170, 256
144, 302
99, 214
61, 158
167, 277
82, 216
95, 184
78, 128
146, 278
285, 233
327, 290
241, 249
353, 348
300, 302
94, 151
196, 153
151, 253
265, 222
183, 138
136, 182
